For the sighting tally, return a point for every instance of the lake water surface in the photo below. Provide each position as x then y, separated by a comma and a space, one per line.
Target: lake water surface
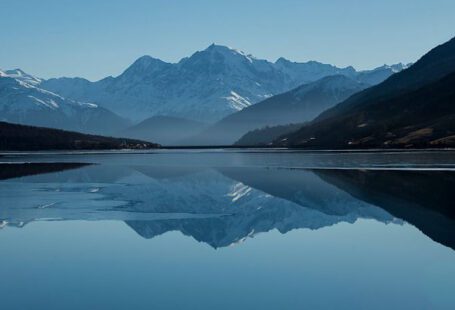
227, 229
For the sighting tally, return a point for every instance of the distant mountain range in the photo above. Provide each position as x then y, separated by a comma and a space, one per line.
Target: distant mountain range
206, 86
23, 101
411, 109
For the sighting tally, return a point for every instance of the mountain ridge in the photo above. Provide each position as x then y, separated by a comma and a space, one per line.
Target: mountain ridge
207, 86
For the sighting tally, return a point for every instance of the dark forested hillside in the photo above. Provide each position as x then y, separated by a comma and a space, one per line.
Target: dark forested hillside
422, 118
412, 109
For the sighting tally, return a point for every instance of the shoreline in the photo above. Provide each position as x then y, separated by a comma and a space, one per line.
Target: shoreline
222, 149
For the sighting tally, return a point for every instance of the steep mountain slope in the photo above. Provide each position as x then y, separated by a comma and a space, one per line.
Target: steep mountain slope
165, 130
21, 101
298, 105
14, 137
207, 86
413, 108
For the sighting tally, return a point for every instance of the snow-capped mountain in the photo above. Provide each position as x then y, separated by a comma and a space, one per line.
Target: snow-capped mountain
23, 101
206, 86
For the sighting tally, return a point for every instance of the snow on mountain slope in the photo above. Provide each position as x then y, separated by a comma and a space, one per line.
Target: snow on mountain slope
21, 101
206, 86
22, 76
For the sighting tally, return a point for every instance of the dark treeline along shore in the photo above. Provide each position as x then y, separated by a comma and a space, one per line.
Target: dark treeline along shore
14, 137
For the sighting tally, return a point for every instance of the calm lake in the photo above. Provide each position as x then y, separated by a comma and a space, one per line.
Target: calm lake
227, 229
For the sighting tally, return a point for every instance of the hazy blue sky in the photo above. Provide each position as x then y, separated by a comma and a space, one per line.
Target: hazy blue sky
94, 39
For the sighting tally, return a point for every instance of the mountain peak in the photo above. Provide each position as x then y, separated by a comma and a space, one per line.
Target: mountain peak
22, 76
227, 51
145, 65
221, 48
16, 71
147, 61
283, 61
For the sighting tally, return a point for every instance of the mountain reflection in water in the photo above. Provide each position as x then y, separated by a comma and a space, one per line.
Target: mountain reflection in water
224, 205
